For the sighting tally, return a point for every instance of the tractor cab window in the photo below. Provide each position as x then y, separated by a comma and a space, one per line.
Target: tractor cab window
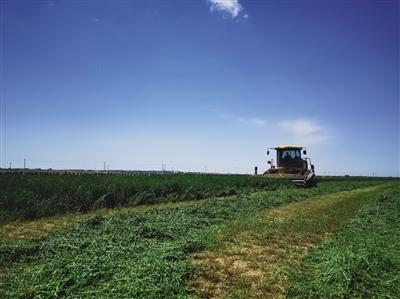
288, 155
291, 154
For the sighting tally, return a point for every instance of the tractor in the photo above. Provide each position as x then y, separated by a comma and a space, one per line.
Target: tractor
291, 165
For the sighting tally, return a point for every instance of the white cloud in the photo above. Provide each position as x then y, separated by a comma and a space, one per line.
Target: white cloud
254, 121
300, 127
232, 7
307, 131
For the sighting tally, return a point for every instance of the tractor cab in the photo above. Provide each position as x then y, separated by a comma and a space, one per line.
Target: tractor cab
288, 159
290, 163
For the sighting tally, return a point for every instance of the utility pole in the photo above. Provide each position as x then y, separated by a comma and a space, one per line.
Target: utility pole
24, 163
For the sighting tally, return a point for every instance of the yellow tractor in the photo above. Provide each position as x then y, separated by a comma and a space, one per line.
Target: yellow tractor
290, 164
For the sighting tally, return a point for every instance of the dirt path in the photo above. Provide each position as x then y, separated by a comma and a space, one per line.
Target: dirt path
255, 254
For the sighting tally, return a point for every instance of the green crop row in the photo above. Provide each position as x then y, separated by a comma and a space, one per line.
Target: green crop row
362, 261
30, 196
142, 254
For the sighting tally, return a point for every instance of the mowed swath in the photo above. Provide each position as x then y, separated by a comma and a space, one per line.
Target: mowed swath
256, 254
141, 252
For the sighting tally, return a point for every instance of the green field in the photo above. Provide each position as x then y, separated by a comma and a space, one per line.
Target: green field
197, 236
30, 196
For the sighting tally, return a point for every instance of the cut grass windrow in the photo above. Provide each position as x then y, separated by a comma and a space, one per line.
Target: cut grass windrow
134, 254
256, 253
34, 229
361, 261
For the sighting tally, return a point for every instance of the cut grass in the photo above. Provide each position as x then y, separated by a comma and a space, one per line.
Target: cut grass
32, 196
361, 261
34, 229
255, 254
134, 254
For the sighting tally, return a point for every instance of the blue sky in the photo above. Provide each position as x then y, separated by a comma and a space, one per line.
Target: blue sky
200, 84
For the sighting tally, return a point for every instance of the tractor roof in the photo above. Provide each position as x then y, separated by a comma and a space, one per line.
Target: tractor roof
283, 147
